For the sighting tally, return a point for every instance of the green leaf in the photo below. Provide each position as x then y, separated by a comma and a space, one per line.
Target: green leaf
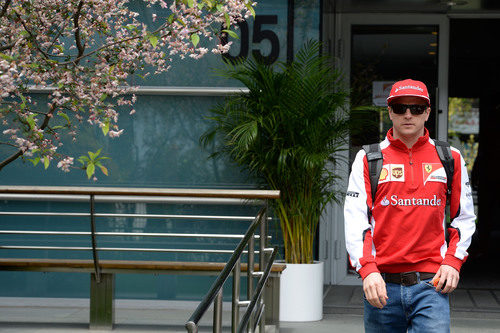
90, 170
228, 21
105, 128
57, 127
250, 8
103, 169
153, 40
201, 5
31, 122
23, 104
170, 19
98, 152
209, 3
65, 116
6, 57
83, 159
103, 97
181, 21
195, 39
35, 160
46, 162
130, 27
231, 33
92, 155
190, 3
219, 7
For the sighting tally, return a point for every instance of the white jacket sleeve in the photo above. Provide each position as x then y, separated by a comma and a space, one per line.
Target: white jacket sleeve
357, 228
462, 214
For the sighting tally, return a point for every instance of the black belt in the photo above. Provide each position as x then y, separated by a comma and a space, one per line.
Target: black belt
407, 278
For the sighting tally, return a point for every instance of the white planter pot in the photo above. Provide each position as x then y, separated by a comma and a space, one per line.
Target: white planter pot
301, 292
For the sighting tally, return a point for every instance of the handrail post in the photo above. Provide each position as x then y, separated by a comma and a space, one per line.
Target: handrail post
94, 242
191, 327
250, 270
235, 313
218, 313
263, 259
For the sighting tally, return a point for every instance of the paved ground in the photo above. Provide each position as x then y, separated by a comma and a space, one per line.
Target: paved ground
468, 302
70, 315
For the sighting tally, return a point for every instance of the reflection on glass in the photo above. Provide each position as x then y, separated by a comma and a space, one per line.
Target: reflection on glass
463, 129
159, 148
265, 34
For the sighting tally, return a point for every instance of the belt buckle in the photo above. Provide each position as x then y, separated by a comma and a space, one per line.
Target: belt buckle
409, 279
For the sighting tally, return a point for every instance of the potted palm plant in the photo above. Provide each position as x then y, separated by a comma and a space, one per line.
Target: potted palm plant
286, 131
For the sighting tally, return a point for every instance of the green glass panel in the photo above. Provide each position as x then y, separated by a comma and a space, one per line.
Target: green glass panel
159, 148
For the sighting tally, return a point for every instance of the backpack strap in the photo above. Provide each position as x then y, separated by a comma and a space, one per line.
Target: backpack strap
444, 152
375, 161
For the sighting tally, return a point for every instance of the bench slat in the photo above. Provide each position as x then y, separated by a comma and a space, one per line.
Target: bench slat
130, 265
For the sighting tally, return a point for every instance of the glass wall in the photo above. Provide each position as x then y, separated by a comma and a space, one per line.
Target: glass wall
159, 148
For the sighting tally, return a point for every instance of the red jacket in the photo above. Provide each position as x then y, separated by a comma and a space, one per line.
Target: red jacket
407, 229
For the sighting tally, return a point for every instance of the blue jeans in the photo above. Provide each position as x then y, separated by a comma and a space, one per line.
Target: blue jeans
417, 308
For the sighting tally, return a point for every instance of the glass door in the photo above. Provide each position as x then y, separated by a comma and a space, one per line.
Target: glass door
375, 50
380, 56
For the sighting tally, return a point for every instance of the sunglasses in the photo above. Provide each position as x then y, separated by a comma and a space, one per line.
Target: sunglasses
415, 109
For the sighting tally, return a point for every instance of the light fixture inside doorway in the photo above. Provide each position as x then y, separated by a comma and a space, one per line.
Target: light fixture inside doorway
452, 3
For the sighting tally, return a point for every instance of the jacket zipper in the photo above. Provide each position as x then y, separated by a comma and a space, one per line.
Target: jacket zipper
411, 169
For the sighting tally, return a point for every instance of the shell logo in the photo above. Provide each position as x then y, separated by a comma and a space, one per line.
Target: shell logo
383, 174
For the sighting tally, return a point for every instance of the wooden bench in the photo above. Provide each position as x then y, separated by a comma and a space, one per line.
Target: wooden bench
102, 310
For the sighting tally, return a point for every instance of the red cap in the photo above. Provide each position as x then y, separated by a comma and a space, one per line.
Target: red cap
409, 88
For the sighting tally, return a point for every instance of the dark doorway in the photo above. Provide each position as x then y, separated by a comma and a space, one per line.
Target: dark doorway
474, 74
380, 56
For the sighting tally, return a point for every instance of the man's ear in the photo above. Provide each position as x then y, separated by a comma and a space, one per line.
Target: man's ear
428, 111
389, 111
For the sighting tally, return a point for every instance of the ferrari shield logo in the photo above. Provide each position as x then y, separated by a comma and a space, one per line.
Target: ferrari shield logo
433, 172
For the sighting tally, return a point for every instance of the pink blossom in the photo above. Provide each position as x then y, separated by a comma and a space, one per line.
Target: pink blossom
115, 134
65, 164
89, 67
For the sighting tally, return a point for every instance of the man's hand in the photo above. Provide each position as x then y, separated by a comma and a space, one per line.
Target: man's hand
374, 288
446, 276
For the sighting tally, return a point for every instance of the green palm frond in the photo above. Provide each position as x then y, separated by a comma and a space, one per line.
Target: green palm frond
287, 130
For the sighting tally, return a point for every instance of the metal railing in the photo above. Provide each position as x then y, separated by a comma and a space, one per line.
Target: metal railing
155, 195
255, 305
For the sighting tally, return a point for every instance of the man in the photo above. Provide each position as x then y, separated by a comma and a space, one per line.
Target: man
397, 240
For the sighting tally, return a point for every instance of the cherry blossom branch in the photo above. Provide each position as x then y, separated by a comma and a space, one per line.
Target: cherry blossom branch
32, 36
10, 159
8, 144
114, 43
56, 37
4, 8
81, 48
7, 47
106, 46
20, 153
48, 116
